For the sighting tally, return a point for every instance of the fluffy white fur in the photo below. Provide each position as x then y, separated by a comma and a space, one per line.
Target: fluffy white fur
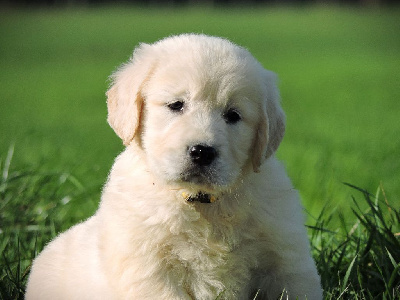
146, 241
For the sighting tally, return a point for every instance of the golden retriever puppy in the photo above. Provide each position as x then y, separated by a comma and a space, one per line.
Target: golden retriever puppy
197, 206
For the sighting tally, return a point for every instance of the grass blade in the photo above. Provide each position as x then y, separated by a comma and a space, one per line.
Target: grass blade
7, 162
348, 272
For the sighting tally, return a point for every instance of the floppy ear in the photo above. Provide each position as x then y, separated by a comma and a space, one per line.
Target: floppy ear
124, 99
260, 143
271, 127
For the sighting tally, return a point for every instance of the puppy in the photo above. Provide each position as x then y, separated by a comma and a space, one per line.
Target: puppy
197, 206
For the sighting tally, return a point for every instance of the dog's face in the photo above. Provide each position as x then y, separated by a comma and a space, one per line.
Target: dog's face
203, 110
198, 130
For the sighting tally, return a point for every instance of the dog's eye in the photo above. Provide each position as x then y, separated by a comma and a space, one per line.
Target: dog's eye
176, 106
232, 116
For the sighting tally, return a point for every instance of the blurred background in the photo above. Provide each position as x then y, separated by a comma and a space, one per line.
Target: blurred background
194, 2
338, 64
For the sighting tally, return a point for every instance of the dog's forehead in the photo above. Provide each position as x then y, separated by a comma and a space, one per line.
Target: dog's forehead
219, 74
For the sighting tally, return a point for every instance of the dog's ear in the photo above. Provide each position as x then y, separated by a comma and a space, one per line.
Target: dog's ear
260, 142
124, 98
271, 128
275, 115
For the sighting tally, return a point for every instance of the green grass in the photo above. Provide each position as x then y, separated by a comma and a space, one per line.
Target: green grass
339, 79
35, 204
359, 260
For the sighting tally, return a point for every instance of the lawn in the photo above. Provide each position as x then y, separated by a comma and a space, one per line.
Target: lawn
339, 79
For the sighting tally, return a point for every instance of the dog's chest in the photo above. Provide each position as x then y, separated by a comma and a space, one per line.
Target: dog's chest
208, 259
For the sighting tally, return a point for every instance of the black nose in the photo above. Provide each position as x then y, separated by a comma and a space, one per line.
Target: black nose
202, 155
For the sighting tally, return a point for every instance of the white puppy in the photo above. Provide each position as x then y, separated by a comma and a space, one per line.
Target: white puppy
196, 207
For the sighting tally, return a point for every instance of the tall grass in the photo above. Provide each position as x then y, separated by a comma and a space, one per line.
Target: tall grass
35, 204
361, 258
357, 258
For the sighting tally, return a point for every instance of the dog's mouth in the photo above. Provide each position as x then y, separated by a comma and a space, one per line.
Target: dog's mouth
202, 176
196, 176
201, 184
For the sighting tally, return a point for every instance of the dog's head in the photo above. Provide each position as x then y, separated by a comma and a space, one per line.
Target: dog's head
202, 109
